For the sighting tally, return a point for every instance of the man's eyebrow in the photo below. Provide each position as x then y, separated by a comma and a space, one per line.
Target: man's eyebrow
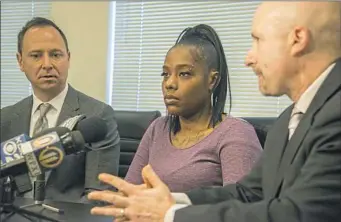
39, 50
56, 50
253, 35
35, 51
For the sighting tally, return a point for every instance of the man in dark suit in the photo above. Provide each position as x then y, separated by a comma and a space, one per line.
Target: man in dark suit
43, 55
297, 52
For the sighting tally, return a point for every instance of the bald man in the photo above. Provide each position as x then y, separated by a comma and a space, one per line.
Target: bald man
296, 51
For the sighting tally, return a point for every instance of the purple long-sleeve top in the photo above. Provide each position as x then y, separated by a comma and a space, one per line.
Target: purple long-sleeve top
222, 157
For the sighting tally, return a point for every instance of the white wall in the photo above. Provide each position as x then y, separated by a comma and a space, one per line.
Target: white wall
85, 24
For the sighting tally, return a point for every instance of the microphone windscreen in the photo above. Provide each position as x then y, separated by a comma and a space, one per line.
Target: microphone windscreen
93, 129
59, 130
78, 140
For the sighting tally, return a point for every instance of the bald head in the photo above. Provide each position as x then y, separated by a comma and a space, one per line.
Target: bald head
322, 20
293, 43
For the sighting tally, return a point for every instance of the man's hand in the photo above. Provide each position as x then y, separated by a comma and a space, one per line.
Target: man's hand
148, 202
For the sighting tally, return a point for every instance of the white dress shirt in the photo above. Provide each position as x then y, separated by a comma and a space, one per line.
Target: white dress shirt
182, 200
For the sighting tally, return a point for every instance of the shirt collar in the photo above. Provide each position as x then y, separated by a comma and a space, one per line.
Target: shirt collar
308, 95
57, 102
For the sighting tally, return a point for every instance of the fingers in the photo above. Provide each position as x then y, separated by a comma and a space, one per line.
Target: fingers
123, 186
107, 211
109, 197
150, 178
146, 182
141, 186
110, 213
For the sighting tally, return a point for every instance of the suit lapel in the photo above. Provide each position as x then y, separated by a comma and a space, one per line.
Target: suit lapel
276, 142
22, 117
70, 107
291, 149
328, 88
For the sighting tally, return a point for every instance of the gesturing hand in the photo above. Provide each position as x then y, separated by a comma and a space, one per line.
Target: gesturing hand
148, 202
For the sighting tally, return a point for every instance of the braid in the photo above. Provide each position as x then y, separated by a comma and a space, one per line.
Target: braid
205, 38
182, 34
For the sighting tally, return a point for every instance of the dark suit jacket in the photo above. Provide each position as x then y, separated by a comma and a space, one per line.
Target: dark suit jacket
295, 181
77, 173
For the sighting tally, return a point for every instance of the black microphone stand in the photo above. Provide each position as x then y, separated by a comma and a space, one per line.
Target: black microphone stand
39, 195
7, 196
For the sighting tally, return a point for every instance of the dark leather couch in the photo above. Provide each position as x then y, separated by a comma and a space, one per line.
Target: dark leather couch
262, 125
132, 125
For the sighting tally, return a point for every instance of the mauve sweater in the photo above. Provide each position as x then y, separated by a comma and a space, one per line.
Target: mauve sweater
222, 157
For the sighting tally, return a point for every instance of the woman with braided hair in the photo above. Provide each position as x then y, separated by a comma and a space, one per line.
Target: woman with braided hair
197, 144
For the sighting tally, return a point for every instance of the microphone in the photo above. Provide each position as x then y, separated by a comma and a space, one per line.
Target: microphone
48, 148
54, 147
11, 153
70, 123
93, 129
35, 152
48, 151
59, 130
10, 149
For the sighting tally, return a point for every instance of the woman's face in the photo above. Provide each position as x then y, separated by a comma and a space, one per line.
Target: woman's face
185, 86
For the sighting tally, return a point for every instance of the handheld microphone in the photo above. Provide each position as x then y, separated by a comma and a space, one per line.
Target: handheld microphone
93, 129
29, 160
10, 149
47, 152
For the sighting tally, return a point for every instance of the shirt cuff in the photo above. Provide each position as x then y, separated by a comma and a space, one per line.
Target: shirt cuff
169, 217
181, 198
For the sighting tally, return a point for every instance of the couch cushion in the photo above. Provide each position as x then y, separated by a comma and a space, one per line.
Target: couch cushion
262, 125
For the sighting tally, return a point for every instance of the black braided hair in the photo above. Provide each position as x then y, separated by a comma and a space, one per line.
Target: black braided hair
209, 48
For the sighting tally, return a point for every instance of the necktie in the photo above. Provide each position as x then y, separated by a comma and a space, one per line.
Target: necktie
296, 116
42, 122
40, 125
